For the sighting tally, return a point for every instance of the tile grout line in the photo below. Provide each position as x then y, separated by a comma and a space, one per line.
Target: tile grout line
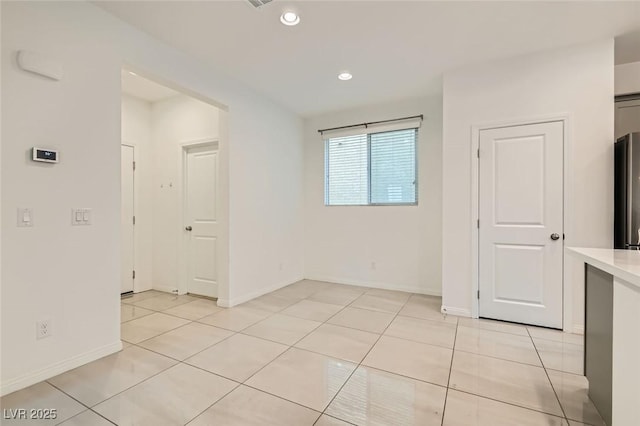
512, 404
234, 332
358, 364
169, 314
446, 394
538, 410
157, 335
91, 408
197, 321
239, 332
79, 402
293, 345
244, 383
301, 349
272, 313
363, 358
156, 310
501, 359
290, 346
130, 387
214, 403
506, 402
176, 359
333, 417
297, 341
548, 377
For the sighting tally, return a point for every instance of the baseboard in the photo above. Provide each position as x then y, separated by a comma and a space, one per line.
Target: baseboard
460, 312
228, 303
373, 284
141, 288
165, 289
52, 370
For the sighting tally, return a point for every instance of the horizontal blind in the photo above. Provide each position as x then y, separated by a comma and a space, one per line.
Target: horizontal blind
347, 170
393, 167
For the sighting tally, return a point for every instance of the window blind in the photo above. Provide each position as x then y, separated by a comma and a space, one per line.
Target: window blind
372, 168
347, 171
393, 167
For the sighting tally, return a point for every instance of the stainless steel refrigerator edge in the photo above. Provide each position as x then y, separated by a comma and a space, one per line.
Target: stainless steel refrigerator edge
627, 192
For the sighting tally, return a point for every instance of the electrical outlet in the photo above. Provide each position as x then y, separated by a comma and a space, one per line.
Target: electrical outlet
43, 329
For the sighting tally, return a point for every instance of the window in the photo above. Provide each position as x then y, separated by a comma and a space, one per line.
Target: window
371, 169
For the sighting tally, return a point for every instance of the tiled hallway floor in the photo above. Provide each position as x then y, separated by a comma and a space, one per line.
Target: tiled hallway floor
323, 354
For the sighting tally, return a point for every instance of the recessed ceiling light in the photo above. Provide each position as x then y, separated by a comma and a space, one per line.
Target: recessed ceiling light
344, 76
290, 18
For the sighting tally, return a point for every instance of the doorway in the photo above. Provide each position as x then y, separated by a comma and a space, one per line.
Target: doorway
627, 116
520, 228
181, 179
127, 217
201, 218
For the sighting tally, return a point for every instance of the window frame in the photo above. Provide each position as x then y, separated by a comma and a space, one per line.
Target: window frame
369, 191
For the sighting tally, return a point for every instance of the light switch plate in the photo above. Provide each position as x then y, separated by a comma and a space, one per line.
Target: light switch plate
81, 217
25, 217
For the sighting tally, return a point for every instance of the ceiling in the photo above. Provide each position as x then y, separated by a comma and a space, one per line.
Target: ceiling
142, 88
395, 49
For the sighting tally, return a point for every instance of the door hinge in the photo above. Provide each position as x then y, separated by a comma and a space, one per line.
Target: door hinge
478, 153
134, 165
134, 275
134, 220
478, 294
478, 223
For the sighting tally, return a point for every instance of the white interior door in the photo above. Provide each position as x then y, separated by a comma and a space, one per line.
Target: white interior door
126, 217
201, 217
521, 223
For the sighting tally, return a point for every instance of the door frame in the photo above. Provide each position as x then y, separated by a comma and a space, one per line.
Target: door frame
135, 197
184, 147
567, 275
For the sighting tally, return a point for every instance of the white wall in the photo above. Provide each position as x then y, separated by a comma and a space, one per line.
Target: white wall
577, 81
341, 242
174, 121
627, 78
136, 131
267, 202
72, 275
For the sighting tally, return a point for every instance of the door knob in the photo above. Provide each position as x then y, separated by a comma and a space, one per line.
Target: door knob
189, 228
555, 236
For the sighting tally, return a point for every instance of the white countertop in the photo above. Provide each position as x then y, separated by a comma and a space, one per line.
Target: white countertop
624, 264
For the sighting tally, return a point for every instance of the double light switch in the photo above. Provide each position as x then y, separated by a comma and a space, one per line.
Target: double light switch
81, 217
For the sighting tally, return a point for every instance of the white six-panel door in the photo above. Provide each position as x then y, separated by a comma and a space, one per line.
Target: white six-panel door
126, 217
201, 220
521, 223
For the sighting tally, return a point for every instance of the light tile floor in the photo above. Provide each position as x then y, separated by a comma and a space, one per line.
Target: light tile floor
323, 354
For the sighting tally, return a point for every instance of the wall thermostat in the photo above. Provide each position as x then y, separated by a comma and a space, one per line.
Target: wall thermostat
45, 155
